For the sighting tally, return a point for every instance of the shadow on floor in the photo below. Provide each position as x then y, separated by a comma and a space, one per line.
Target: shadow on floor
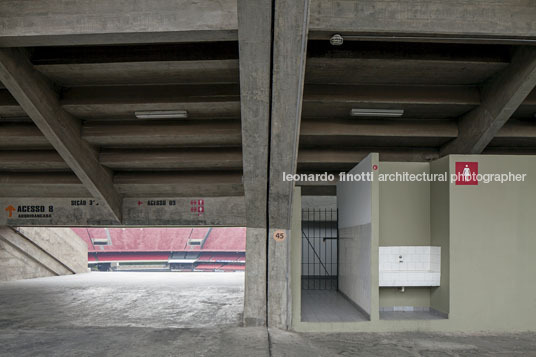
328, 306
410, 315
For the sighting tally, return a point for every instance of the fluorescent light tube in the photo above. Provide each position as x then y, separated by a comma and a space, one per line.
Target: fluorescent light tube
162, 114
377, 112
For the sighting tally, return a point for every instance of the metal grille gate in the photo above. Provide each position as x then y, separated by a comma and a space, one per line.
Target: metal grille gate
320, 235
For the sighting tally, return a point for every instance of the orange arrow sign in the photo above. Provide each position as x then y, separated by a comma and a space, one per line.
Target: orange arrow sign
10, 209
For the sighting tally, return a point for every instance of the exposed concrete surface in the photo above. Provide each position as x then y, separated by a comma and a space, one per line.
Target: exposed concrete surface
58, 22
400, 344
189, 314
228, 211
14, 264
253, 342
432, 17
61, 243
152, 300
135, 341
255, 278
40, 252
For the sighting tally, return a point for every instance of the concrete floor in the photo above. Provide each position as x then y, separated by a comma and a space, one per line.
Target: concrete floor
410, 315
414, 344
189, 314
112, 299
328, 306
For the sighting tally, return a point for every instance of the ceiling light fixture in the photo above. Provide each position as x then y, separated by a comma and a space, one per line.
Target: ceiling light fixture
377, 112
162, 114
336, 40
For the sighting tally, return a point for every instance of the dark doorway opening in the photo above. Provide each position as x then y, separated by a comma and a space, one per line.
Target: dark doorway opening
320, 249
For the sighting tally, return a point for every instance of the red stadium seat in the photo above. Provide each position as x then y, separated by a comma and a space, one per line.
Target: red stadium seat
222, 245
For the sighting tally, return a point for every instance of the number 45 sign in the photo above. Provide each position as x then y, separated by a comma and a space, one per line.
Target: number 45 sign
280, 235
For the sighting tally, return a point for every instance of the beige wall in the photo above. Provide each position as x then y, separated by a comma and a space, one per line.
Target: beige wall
404, 206
440, 233
404, 220
490, 232
493, 247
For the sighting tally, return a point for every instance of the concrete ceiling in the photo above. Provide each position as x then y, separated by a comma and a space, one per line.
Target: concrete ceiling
102, 85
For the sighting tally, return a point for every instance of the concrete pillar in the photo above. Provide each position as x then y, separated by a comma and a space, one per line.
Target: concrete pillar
255, 284
291, 19
254, 38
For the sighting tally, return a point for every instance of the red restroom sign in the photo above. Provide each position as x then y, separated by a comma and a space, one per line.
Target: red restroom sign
466, 173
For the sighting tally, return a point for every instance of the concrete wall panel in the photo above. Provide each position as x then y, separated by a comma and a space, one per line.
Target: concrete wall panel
61, 243
355, 207
40, 252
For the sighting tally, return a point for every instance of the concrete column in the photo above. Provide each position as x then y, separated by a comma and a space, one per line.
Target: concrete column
272, 67
255, 284
291, 19
254, 35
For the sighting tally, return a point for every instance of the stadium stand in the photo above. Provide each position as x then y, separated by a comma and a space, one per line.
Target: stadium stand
208, 267
133, 257
180, 249
226, 239
205, 257
233, 267
230, 257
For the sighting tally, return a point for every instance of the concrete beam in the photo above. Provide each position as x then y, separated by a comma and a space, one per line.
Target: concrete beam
213, 101
160, 94
255, 41
139, 211
56, 22
202, 159
146, 73
408, 94
179, 184
509, 151
31, 160
184, 63
222, 101
34, 23
209, 133
225, 135
501, 97
200, 101
421, 53
206, 160
384, 127
129, 184
403, 64
290, 28
22, 135
37, 98
222, 133
434, 19
172, 159
345, 159
198, 52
